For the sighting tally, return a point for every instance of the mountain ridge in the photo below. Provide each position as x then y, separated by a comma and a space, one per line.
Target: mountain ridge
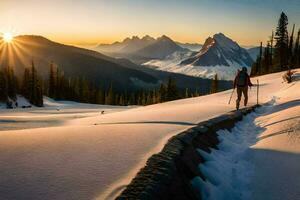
141, 50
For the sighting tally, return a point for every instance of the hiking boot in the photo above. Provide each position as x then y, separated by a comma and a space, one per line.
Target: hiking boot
237, 105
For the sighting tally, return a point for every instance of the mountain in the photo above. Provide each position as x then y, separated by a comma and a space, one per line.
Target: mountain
254, 52
140, 50
190, 46
219, 55
127, 46
162, 47
220, 50
74, 61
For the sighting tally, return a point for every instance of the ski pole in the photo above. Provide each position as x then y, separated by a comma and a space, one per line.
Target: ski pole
257, 91
231, 95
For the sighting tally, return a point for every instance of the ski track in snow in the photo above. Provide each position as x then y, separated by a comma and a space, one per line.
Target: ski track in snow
230, 170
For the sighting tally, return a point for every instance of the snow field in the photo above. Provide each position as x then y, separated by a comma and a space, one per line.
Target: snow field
90, 156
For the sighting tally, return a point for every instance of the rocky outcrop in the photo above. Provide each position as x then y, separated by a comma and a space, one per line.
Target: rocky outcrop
168, 174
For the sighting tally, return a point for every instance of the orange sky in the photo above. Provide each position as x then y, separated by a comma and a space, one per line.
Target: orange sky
102, 21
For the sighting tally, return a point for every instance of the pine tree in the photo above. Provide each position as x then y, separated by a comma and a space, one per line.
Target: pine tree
149, 98
3, 87
121, 100
39, 93
281, 47
271, 48
61, 86
296, 60
254, 68
155, 97
186, 95
266, 60
214, 84
162, 93
52, 81
35, 95
83, 91
172, 92
109, 99
257, 65
57, 84
26, 84
259, 69
196, 93
291, 46
32, 94
143, 98
100, 96
11, 82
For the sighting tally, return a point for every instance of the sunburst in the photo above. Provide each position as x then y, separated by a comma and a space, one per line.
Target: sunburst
7, 37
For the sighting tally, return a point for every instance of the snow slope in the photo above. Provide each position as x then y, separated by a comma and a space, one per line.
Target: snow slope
172, 65
54, 113
95, 157
260, 158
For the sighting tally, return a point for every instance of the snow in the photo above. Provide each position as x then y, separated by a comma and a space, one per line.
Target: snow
225, 43
260, 157
172, 64
21, 102
87, 155
171, 60
224, 72
54, 113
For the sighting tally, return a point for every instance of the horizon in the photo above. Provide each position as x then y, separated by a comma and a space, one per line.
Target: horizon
101, 22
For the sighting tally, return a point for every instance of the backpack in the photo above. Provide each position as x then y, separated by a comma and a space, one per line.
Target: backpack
242, 79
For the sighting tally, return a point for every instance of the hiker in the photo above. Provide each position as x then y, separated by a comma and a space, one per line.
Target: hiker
241, 83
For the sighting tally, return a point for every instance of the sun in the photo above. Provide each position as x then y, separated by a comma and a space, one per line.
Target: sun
7, 37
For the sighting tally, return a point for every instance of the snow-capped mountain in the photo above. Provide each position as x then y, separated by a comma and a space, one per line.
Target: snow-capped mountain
219, 55
140, 50
128, 45
220, 50
161, 48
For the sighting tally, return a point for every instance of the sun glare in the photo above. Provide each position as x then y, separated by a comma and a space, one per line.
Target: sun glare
7, 37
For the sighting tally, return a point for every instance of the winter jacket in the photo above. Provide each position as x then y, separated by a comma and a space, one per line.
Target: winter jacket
246, 82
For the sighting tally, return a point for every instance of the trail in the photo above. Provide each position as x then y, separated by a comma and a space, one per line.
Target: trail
258, 159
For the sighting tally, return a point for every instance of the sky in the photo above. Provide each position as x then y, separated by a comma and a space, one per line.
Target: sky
104, 21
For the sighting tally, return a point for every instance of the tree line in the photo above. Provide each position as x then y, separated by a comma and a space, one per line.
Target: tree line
31, 86
79, 89
282, 51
